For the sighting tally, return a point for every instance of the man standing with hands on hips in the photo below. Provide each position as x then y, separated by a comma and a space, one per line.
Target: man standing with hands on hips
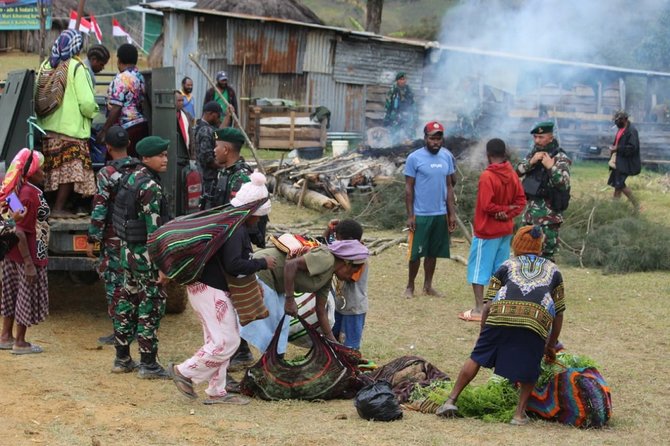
431, 207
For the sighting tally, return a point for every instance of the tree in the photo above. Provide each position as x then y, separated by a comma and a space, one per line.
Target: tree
373, 22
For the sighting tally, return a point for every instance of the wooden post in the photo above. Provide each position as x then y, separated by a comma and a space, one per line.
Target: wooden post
43, 32
234, 113
80, 13
291, 134
302, 192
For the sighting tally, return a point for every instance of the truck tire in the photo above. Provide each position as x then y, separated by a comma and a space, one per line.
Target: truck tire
176, 298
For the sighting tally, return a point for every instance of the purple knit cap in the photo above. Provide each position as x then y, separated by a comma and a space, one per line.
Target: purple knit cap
351, 250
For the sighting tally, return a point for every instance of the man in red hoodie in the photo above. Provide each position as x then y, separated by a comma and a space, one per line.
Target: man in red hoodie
500, 198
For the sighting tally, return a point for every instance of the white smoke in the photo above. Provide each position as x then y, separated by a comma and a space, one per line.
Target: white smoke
586, 31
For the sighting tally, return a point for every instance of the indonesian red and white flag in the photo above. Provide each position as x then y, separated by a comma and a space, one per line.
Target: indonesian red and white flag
96, 29
118, 31
84, 25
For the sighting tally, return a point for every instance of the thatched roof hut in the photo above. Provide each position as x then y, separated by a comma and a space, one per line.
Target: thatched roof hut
282, 9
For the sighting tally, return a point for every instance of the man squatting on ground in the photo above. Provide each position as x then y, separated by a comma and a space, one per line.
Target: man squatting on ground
139, 209
431, 207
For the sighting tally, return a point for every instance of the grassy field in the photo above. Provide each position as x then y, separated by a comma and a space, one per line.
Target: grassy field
67, 396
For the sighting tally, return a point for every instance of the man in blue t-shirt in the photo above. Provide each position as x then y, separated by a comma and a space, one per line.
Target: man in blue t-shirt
431, 208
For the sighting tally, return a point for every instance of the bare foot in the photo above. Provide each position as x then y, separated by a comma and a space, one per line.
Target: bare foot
409, 293
432, 292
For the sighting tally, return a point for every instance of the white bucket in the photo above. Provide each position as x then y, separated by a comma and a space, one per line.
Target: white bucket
340, 147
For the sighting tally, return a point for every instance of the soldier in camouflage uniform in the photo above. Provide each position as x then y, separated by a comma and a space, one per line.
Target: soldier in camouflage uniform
546, 172
141, 303
101, 230
204, 148
400, 109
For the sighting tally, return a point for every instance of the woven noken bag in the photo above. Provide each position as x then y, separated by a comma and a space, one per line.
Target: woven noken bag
247, 297
326, 372
50, 87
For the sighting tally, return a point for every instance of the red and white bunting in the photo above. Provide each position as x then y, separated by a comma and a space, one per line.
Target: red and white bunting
84, 25
118, 31
96, 29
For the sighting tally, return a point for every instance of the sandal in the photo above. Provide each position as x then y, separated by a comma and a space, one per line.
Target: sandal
236, 400
7, 345
520, 422
182, 383
468, 316
447, 410
28, 350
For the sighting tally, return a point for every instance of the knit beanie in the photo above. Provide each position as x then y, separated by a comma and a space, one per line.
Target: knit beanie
252, 191
528, 240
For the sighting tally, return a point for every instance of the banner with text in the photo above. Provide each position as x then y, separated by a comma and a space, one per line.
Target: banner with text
24, 14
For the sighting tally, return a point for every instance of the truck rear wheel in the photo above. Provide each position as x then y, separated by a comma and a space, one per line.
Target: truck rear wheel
176, 298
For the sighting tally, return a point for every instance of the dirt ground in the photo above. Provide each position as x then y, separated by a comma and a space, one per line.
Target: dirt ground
67, 396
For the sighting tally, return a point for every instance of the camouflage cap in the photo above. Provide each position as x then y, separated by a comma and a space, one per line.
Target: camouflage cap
152, 146
229, 134
399, 75
543, 127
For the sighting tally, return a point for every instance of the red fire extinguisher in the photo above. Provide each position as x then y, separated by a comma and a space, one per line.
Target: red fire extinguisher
193, 188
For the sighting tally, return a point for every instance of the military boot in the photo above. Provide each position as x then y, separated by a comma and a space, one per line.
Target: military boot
150, 368
123, 363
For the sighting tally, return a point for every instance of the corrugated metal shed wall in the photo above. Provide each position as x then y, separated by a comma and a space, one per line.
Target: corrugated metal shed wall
320, 52
284, 49
368, 62
337, 97
244, 41
181, 39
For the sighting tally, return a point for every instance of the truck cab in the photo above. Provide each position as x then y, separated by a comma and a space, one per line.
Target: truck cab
68, 238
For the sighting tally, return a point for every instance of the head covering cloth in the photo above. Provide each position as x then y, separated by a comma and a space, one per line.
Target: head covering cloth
23, 166
350, 250
68, 44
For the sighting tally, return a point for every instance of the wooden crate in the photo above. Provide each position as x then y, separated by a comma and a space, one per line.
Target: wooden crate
285, 129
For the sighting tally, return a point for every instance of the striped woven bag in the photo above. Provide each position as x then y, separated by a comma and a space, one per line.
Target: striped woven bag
50, 87
181, 247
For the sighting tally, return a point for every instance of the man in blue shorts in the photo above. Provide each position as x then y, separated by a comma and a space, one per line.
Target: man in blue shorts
431, 208
500, 198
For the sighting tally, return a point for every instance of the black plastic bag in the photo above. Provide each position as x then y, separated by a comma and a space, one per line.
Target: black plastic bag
377, 402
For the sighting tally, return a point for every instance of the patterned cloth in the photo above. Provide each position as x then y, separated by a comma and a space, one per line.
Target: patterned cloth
27, 303
34, 225
538, 209
526, 291
67, 160
222, 337
127, 91
204, 153
67, 45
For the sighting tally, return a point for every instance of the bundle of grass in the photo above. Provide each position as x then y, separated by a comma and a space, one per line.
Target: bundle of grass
603, 234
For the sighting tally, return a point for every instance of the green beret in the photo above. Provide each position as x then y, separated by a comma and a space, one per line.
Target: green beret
152, 146
542, 128
399, 75
229, 134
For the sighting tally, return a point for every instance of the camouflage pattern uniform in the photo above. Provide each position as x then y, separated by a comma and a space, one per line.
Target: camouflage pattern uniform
400, 112
101, 229
141, 303
238, 175
538, 210
204, 155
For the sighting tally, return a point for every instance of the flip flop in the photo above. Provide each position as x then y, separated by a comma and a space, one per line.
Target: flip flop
521, 422
183, 384
467, 316
7, 345
447, 410
231, 399
30, 350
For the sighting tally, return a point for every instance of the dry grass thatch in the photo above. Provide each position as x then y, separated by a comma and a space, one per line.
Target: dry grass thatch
283, 9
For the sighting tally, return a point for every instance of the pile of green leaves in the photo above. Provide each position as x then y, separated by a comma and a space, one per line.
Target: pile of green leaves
383, 208
496, 400
617, 241
549, 370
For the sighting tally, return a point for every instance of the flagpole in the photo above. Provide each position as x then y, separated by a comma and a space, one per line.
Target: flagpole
80, 14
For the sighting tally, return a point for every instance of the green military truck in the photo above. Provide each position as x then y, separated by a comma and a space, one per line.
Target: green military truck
68, 239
